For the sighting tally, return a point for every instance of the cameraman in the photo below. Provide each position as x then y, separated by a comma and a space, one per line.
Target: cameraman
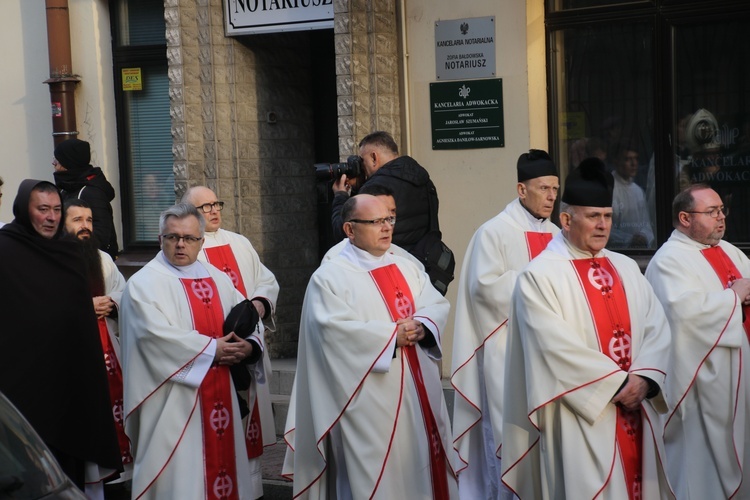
409, 181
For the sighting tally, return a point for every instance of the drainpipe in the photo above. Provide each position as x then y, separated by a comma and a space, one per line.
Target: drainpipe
62, 82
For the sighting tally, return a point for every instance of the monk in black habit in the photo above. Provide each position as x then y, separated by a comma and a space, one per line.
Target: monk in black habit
51, 361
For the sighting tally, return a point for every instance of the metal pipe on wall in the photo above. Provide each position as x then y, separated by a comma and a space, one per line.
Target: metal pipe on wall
62, 82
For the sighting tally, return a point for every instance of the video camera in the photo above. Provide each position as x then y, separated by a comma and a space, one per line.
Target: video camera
333, 171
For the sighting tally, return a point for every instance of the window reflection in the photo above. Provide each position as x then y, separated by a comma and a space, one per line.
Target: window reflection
712, 107
604, 90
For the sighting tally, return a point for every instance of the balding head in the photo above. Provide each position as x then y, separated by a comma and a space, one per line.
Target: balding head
201, 196
366, 223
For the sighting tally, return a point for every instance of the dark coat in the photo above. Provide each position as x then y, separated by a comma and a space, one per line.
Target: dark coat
92, 186
411, 186
51, 360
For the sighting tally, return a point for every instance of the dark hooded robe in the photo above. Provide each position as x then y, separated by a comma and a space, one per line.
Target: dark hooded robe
51, 360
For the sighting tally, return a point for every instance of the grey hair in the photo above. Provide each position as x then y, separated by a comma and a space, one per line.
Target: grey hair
181, 211
567, 208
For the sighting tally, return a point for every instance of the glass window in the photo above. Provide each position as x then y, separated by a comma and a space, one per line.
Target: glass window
143, 118
557, 5
658, 126
604, 81
712, 116
149, 153
140, 22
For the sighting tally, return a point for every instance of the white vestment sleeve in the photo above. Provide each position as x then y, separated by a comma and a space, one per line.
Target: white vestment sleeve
194, 373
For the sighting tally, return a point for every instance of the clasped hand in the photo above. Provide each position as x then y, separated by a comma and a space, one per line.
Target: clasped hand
631, 395
231, 349
409, 332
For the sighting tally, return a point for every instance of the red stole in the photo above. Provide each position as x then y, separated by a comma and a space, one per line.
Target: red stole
114, 380
400, 303
536, 242
215, 395
728, 273
223, 257
609, 308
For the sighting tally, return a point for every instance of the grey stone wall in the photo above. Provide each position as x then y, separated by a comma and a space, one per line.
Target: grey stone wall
367, 70
225, 92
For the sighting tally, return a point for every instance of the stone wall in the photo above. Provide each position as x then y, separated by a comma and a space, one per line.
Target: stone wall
367, 70
242, 124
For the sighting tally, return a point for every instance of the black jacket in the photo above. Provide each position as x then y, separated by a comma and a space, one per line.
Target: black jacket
93, 187
411, 186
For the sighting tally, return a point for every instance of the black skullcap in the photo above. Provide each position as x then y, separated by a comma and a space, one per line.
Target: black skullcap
73, 154
535, 163
589, 185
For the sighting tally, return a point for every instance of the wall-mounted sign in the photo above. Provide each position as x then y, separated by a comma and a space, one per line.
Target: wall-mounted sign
467, 115
132, 79
465, 48
247, 17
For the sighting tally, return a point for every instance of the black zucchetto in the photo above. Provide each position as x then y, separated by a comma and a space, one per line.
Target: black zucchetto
589, 185
535, 163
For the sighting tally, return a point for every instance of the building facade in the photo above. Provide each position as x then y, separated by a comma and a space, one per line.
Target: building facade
168, 100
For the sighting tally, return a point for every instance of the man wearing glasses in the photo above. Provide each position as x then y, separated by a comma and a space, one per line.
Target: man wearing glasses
702, 282
235, 255
367, 416
182, 415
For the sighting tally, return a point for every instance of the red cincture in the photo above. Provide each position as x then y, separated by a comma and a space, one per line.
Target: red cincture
215, 395
114, 380
609, 307
398, 299
536, 242
728, 273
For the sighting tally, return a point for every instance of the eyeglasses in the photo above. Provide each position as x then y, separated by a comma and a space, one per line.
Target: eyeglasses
174, 238
714, 212
207, 207
376, 222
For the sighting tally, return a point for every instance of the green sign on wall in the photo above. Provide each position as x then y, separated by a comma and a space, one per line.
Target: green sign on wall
467, 114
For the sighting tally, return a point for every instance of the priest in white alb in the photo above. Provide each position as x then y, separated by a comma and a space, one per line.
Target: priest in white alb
587, 355
384, 194
235, 255
703, 283
182, 414
497, 252
367, 417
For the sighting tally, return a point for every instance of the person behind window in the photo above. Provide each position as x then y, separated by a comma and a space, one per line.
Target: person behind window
631, 224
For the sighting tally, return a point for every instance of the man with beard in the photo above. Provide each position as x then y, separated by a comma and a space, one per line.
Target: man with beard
76, 178
703, 283
45, 303
107, 285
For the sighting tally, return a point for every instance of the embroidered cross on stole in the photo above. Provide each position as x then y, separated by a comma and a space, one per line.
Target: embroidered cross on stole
215, 394
400, 303
223, 257
609, 309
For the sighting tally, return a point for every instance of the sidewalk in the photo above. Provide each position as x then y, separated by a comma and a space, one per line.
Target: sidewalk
275, 487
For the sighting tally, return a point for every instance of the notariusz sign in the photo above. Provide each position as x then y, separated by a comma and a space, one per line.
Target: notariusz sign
246, 17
